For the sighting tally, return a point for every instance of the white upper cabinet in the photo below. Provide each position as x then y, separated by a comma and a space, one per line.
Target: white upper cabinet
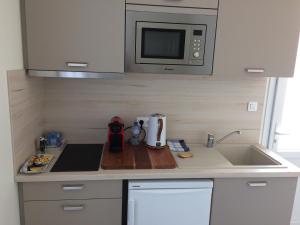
257, 37
74, 35
213, 4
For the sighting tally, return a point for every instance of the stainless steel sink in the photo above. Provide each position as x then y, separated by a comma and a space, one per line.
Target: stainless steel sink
248, 156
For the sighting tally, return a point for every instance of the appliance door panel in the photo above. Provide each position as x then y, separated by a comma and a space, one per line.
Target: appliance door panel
162, 43
187, 21
169, 207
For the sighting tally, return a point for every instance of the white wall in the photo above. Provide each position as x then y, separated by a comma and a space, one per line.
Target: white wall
10, 58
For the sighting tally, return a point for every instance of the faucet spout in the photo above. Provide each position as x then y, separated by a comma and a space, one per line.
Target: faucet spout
211, 142
227, 136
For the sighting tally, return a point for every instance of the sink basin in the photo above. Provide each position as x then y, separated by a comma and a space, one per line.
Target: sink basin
248, 156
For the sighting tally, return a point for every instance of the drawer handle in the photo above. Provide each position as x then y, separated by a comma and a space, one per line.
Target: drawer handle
257, 184
70, 208
255, 70
73, 187
75, 64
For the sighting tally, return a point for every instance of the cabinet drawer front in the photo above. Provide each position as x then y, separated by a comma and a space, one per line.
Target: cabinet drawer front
72, 190
212, 4
74, 212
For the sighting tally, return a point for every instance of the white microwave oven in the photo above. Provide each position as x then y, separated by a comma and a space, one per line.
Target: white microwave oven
170, 40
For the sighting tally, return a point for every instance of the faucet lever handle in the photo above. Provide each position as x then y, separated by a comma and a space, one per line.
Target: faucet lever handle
210, 141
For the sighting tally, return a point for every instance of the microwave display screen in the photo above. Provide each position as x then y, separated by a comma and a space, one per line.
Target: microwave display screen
163, 43
197, 32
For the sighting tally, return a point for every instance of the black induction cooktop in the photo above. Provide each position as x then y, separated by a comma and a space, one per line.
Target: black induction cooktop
79, 157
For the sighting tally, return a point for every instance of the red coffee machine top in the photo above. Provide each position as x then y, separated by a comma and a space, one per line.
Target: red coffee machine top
116, 135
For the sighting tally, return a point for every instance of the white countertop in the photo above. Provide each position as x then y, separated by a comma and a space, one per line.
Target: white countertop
206, 163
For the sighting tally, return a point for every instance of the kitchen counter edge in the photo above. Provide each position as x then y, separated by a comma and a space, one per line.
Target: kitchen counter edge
159, 174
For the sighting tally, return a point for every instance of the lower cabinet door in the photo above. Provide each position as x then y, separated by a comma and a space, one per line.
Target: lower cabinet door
253, 201
73, 212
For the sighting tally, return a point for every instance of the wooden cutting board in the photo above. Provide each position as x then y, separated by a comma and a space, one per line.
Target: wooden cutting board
138, 157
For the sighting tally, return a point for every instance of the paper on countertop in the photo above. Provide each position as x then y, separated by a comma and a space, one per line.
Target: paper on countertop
177, 145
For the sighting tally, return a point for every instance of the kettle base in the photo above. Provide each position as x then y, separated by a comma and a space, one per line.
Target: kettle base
156, 147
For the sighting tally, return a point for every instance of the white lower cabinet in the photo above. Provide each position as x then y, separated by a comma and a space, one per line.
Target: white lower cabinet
169, 202
73, 212
235, 201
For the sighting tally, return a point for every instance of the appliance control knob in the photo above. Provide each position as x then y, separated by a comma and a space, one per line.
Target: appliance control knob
196, 54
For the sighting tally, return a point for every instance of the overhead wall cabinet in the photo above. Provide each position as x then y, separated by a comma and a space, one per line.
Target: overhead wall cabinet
257, 37
254, 37
74, 35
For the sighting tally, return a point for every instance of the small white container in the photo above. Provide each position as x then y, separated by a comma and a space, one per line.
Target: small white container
156, 134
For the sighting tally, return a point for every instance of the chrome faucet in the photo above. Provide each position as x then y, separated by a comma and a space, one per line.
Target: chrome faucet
211, 142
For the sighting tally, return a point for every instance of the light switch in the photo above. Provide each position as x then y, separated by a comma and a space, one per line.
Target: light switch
252, 106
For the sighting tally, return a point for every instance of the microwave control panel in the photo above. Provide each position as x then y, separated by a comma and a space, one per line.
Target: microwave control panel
197, 46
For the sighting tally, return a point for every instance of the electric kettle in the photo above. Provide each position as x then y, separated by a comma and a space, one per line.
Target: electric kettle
156, 134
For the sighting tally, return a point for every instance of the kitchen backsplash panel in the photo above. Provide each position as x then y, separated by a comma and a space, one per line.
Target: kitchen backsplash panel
82, 108
26, 104
195, 106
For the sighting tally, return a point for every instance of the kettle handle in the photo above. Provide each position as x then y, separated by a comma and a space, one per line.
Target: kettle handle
160, 128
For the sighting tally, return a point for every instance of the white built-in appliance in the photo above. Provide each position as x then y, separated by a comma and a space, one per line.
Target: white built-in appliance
170, 202
170, 39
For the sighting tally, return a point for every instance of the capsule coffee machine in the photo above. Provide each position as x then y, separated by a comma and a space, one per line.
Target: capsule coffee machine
116, 135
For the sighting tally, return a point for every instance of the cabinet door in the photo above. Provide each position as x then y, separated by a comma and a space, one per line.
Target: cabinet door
74, 212
253, 201
257, 34
89, 34
179, 3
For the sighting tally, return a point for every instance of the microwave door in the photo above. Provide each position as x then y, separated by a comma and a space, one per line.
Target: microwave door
162, 43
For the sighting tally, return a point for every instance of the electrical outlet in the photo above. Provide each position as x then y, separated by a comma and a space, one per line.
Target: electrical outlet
252, 106
145, 119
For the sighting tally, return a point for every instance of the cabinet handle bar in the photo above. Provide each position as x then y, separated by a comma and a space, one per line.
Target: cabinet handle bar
73, 187
257, 184
76, 64
255, 70
73, 208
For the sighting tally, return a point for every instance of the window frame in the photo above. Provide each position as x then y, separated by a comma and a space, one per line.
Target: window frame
273, 112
